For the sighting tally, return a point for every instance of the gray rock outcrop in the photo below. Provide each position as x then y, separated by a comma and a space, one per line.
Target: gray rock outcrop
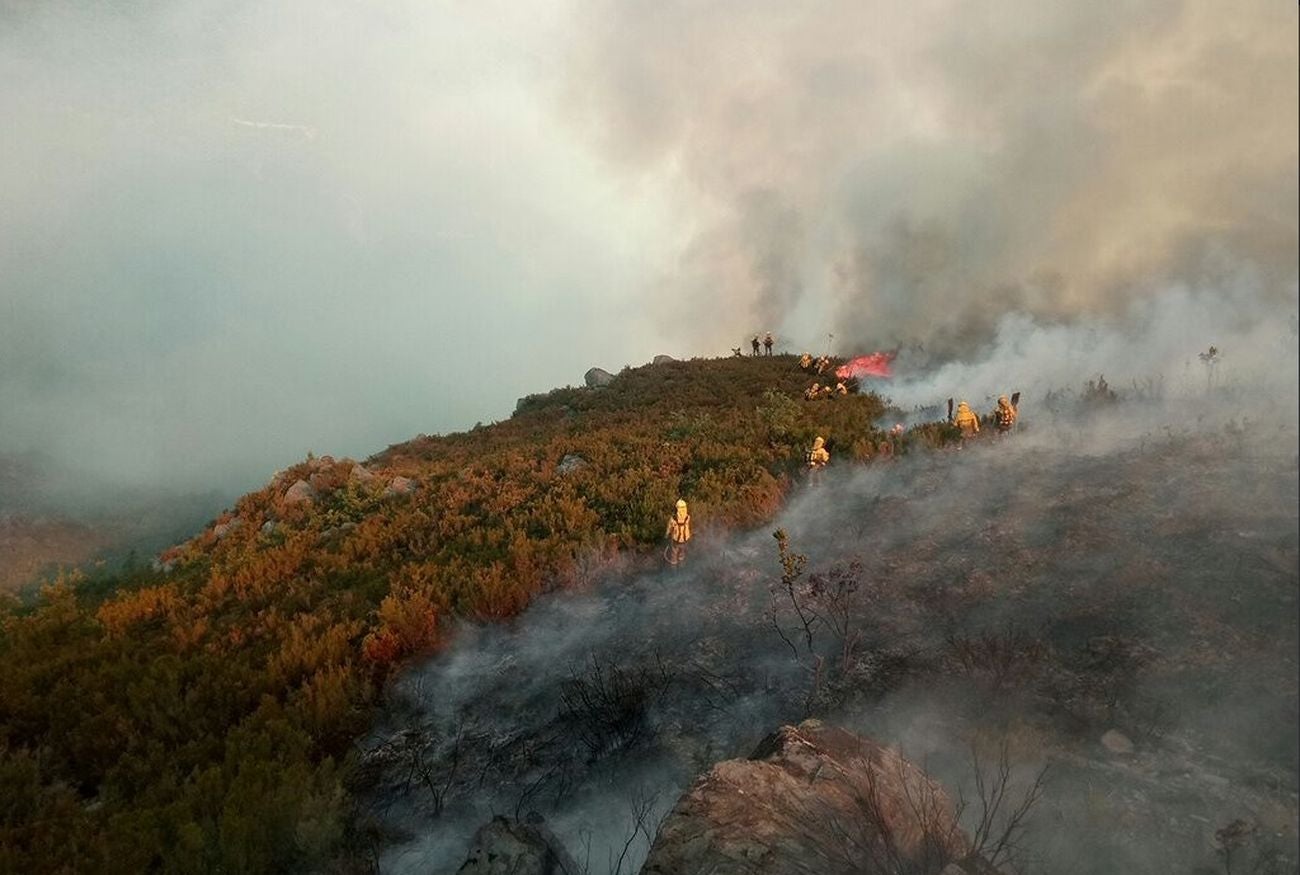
811, 800
400, 486
301, 492
509, 847
1116, 742
662, 359
597, 377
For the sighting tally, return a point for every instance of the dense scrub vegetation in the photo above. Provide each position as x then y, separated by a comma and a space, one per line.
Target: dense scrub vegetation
202, 719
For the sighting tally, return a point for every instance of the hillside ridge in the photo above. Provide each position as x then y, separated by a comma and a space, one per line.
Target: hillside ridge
204, 709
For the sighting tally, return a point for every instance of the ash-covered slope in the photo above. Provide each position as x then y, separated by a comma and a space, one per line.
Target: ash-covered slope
1110, 593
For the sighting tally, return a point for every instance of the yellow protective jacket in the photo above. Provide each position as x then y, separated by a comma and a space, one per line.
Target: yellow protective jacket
679, 528
817, 456
965, 419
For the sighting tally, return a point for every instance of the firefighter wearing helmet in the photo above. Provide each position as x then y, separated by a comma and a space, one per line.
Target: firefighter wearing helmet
1005, 415
678, 533
817, 456
966, 420
817, 460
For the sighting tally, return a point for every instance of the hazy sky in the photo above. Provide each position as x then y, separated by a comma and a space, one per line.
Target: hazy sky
231, 233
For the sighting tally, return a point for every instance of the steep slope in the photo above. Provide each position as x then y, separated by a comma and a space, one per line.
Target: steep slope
201, 715
1111, 594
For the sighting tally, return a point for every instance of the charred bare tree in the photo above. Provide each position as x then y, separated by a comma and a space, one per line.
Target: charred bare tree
642, 826
1241, 848
555, 777
830, 601
834, 599
1000, 658
999, 829
606, 706
431, 762
871, 840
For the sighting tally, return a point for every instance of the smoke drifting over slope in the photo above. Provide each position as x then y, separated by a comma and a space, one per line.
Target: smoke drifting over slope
232, 233
1113, 565
912, 173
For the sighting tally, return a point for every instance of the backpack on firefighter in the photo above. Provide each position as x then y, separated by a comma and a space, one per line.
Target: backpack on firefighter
966, 420
1006, 414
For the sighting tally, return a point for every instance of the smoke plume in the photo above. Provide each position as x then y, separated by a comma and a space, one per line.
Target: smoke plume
912, 173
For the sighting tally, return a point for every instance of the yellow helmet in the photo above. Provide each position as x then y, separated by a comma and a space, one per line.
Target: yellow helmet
681, 504
819, 442
1003, 401
962, 405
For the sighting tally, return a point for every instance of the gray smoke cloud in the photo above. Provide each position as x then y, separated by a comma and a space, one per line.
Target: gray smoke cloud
232, 233
912, 173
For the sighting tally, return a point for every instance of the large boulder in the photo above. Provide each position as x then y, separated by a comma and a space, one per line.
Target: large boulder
400, 486
597, 377
509, 847
221, 530
662, 360
301, 492
361, 474
811, 800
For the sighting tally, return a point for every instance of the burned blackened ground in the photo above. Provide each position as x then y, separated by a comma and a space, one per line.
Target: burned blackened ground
1117, 601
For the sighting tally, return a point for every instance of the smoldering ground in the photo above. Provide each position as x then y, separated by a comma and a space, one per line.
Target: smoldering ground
1117, 565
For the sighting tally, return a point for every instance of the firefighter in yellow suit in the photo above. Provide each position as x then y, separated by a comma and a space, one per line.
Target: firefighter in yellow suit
818, 458
1005, 415
679, 532
966, 420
